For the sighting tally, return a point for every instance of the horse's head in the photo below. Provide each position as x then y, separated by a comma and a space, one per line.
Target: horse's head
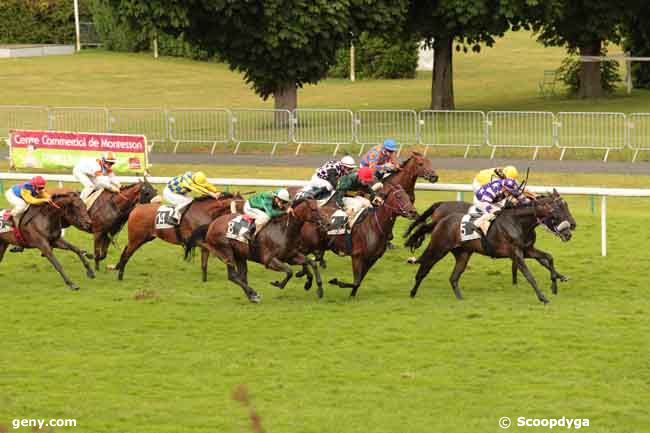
307, 210
422, 167
558, 220
398, 201
147, 192
74, 210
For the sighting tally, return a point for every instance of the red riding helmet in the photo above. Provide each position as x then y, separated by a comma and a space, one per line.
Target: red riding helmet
365, 174
38, 182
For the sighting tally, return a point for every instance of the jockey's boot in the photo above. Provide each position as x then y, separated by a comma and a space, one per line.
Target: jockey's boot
17, 249
483, 222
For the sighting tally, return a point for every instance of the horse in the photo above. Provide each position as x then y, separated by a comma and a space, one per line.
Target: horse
274, 246
511, 235
415, 166
40, 227
203, 210
111, 210
369, 237
441, 209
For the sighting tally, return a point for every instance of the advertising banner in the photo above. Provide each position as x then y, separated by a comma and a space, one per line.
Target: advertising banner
55, 149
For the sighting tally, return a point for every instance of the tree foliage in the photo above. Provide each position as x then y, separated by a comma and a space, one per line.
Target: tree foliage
276, 44
636, 34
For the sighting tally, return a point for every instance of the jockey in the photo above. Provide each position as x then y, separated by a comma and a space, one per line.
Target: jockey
491, 196
328, 175
177, 189
23, 194
382, 159
489, 174
266, 205
96, 173
362, 180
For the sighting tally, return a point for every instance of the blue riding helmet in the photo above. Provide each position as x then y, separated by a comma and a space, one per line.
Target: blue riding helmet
390, 144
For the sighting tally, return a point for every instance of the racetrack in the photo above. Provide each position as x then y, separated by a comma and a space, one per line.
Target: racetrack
162, 351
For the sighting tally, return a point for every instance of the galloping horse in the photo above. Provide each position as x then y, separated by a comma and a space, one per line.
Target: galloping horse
142, 226
274, 246
512, 235
40, 227
415, 166
441, 209
111, 211
370, 236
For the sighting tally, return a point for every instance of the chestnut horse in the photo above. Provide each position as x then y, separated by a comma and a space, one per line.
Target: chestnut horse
40, 227
511, 235
274, 246
142, 226
111, 210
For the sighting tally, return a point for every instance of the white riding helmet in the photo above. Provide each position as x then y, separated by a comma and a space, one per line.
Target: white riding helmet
348, 162
283, 195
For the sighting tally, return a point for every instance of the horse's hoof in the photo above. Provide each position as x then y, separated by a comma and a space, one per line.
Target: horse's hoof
255, 299
73, 286
412, 260
544, 300
320, 292
90, 273
88, 255
277, 284
334, 281
564, 278
413, 294
308, 285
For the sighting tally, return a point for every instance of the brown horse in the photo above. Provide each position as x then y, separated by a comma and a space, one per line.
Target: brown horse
111, 210
142, 227
41, 225
512, 235
370, 236
414, 167
441, 209
274, 246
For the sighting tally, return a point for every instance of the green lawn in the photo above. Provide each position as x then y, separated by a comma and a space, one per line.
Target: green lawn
382, 362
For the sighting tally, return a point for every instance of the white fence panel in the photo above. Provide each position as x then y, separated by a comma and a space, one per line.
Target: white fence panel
196, 125
261, 126
372, 127
639, 132
606, 131
323, 127
78, 119
446, 128
22, 117
151, 123
525, 129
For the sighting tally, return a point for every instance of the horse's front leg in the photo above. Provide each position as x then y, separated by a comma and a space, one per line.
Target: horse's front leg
276, 265
518, 256
46, 250
546, 260
65, 245
514, 273
360, 268
205, 255
3, 249
101, 248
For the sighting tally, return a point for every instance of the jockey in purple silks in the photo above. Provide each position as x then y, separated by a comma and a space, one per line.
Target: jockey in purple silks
490, 198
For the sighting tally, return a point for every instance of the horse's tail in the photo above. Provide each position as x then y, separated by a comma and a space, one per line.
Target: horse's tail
415, 240
422, 218
197, 235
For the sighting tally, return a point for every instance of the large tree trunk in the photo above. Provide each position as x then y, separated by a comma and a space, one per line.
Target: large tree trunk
442, 81
590, 84
286, 97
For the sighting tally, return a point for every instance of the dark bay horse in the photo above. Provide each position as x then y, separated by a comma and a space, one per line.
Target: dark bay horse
370, 236
41, 226
512, 235
274, 247
201, 211
441, 209
414, 167
111, 210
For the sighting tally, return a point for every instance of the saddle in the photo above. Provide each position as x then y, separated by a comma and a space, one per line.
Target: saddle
92, 198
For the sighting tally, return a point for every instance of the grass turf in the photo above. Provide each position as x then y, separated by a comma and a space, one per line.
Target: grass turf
162, 351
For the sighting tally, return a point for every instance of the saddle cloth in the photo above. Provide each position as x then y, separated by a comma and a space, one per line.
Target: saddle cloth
92, 198
468, 230
239, 228
163, 217
5, 226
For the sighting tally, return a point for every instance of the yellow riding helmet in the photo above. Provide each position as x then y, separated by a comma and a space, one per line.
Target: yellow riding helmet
199, 177
511, 172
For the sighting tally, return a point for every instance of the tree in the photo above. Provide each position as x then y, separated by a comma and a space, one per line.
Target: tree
279, 45
583, 26
469, 23
636, 40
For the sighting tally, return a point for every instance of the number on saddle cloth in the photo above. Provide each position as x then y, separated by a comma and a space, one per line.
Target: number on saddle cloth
5, 225
239, 228
164, 218
468, 230
338, 223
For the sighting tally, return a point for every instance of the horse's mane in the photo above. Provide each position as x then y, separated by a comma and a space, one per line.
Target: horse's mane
62, 193
131, 185
222, 196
